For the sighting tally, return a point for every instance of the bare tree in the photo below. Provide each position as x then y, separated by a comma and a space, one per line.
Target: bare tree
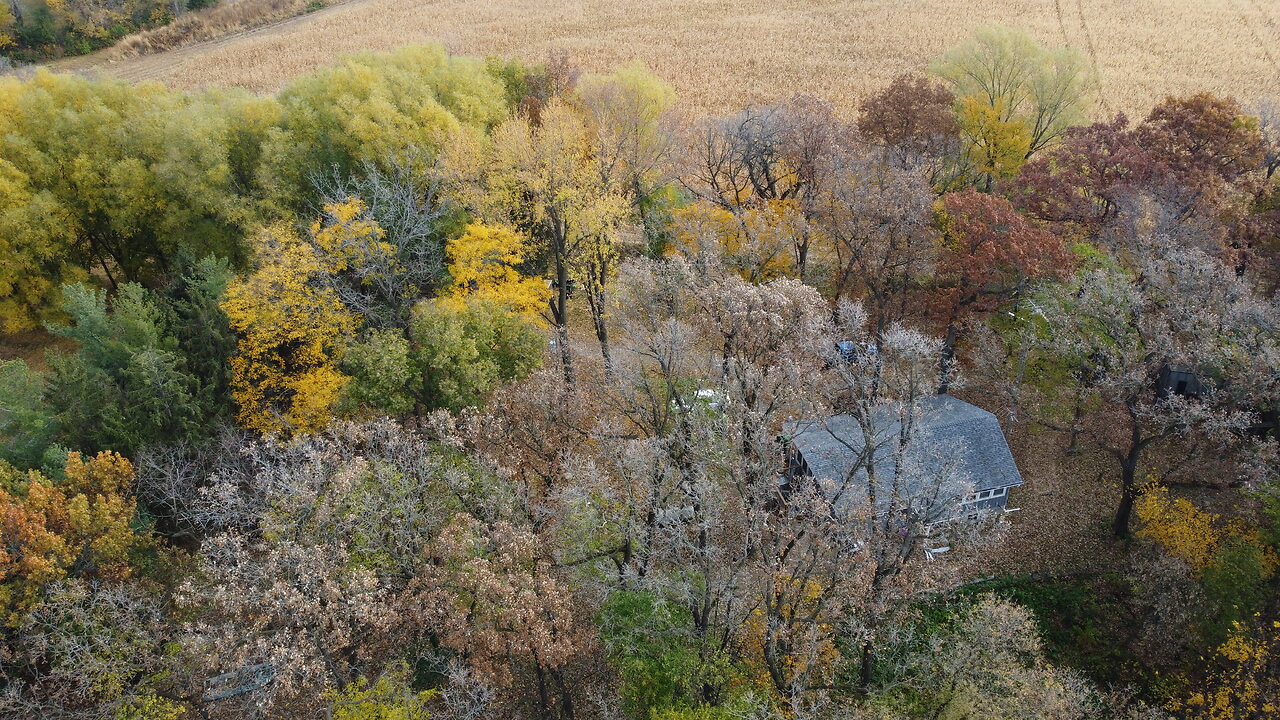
769, 155
879, 221
1185, 312
684, 475
407, 204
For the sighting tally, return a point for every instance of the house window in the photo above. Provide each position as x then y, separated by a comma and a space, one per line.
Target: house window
987, 495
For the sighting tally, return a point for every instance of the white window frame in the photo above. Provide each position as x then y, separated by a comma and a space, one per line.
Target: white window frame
987, 495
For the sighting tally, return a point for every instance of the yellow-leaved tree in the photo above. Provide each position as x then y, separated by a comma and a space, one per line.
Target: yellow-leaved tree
1047, 89
1231, 561
483, 263
6, 26
292, 325
1182, 529
545, 179
106, 181
996, 145
374, 110
390, 697
789, 639
346, 237
753, 241
1242, 683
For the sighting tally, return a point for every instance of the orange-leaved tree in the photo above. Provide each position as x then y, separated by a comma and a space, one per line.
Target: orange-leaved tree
990, 254
79, 526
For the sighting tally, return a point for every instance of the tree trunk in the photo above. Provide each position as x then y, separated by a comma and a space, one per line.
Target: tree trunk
602, 334
566, 357
561, 317
1120, 525
1077, 414
544, 695
947, 358
802, 254
596, 300
866, 666
566, 700
1128, 471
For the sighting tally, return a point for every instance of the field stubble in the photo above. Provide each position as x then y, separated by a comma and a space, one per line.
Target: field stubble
721, 54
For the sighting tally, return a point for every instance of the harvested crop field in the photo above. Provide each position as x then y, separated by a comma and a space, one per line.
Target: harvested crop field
721, 54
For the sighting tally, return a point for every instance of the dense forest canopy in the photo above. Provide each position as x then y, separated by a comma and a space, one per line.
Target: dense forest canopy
435, 386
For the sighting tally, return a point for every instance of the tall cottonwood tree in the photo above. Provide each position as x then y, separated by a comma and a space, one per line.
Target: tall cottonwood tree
682, 499
1005, 70
543, 179
629, 111
898, 489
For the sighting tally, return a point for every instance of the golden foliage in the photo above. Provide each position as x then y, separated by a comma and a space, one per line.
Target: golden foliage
390, 698
754, 241
997, 146
792, 623
483, 262
548, 172
1240, 688
1183, 530
6, 27
348, 236
290, 327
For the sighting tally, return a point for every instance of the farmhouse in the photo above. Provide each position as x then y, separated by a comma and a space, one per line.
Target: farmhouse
958, 450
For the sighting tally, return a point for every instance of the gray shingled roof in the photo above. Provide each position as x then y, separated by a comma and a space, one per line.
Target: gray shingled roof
951, 436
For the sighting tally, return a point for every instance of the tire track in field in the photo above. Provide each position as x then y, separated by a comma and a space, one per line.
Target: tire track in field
1271, 24
1062, 23
1093, 56
1251, 26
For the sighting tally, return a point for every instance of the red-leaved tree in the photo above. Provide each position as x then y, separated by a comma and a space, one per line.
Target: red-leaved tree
990, 254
